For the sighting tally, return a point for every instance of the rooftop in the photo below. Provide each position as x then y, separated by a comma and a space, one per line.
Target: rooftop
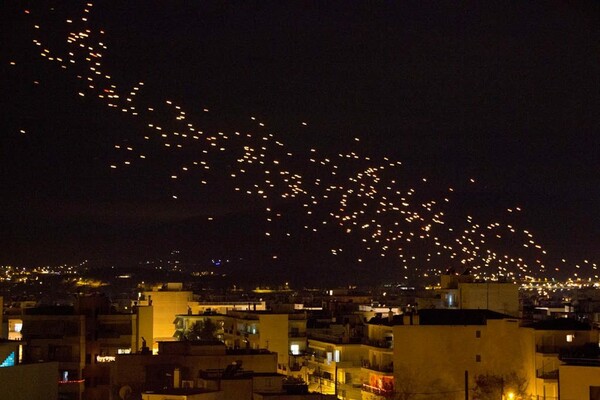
179, 391
443, 317
459, 317
561, 324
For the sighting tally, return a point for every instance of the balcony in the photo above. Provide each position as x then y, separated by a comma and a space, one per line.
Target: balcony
76, 386
378, 391
587, 351
316, 359
382, 344
385, 368
547, 374
295, 334
247, 334
297, 366
334, 339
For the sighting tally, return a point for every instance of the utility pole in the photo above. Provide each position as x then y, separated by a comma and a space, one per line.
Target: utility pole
320, 380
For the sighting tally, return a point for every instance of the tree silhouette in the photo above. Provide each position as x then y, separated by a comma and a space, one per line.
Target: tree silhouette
201, 330
493, 387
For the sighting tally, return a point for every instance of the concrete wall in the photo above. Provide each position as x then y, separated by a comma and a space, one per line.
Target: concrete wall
499, 297
575, 381
145, 328
37, 381
167, 304
430, 358
274, 330
238, 389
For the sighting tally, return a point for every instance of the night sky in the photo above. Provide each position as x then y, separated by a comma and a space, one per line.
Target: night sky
505, 93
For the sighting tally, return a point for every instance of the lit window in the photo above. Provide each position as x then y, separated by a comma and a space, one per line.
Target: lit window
18, 326
295, 349
336, 356
570, 338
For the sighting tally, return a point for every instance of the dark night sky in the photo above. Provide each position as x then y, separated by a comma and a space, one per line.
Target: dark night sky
506, 92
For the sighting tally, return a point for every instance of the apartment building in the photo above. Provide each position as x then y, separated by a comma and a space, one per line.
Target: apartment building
83, 340
181, 364
435, 349
281, 332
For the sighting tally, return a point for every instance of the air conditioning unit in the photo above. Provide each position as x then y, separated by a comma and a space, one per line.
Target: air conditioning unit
187, 384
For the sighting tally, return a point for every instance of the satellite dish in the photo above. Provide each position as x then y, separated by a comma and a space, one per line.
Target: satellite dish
125, 392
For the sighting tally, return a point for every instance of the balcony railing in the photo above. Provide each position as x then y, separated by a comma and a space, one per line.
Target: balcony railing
581, 361
323, 360
246, 333
382, 344
332, 338
546, 374
378, 391
294, 334
296, 366
387, 368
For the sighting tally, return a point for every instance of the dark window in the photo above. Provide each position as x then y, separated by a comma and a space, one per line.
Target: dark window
35, 353
477, 334
113, 330
60, 353
478, 358
594, 392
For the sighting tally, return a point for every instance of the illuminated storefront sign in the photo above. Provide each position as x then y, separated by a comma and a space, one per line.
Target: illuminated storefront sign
102, 359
